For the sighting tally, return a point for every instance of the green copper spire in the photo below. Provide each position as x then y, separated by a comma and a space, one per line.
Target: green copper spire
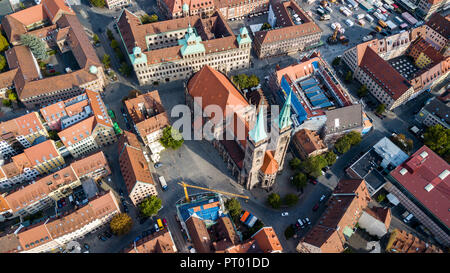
285, 115
258, 132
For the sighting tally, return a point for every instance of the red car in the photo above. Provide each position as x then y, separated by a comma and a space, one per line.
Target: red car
164, 222
313, 181
316, 207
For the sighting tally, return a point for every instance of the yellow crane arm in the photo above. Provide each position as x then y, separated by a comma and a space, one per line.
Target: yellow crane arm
206, 189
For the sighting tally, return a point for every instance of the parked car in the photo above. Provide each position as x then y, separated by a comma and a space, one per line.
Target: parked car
300, 222
158, 165
156, 228
137, 238
316, 207
125, 208
86, 246
313, 181
102, 238
121, 192
307, 221
164, 222
322, 198
284, 214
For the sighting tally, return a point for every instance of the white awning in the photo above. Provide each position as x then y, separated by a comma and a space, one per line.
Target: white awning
393, 199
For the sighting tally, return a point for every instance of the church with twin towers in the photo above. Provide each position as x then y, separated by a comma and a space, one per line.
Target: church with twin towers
255, 159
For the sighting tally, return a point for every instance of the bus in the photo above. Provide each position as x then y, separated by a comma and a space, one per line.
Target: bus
160, 225
163, 183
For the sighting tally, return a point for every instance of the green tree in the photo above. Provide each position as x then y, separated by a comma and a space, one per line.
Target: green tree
295, 163
22, 6
348, 77
437, 138
381, 108
121, 224
53, 135
362, 91
36, 45
114, 44
252, 81
96, 39
300, 180
241, 80
110, 34
119, 54
2, 62
146, 19
313, 165
6, 102
274, 200
3, 43
234, 207
171, 138
106, 60
381, 197
290, 199
354, 138
330, 157
342, 145
125, 69
12, 95
150, 206
98, 3
266, 26
289, 232
336, 61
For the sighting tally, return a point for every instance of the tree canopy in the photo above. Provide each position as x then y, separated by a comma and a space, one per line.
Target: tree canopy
266, 26
330, 157
150, 206
3, 43
36, 45
362, 91
437, 138
381, 108
290, 199
106, 60
98, 3
300, 180
344, 143
295, 163
146, 19
233, 206
402, 142
274, 200
348, 76
121, 224
313, 165
2, 62
125, 69
243, 81
171, 138
110, 34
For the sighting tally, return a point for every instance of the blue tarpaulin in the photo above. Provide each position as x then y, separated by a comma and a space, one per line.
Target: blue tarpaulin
298, 107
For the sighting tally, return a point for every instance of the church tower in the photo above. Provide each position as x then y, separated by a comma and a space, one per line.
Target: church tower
284, 129
257, 142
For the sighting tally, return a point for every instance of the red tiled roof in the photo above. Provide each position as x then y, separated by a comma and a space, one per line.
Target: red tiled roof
422, 172
440, 24
270, 165
267, 240
393, 83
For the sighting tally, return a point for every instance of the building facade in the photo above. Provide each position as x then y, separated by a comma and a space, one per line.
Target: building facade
247, 151
57, 25
20, 133
112, 4
135, 169
288, 35
420, 184
149, 119
337, 223
240, 8
49, 189
57, 232
434, 112
175, 49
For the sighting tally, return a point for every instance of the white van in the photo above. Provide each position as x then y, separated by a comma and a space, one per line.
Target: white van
300, 223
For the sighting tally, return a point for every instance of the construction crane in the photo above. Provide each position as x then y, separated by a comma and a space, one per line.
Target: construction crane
185, 186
